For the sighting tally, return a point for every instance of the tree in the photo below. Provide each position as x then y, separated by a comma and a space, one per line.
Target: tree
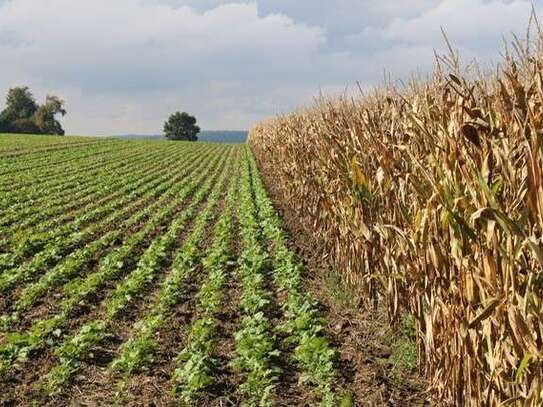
20, 107
3, 125
45, 119
181, 126
23, 115
20, 103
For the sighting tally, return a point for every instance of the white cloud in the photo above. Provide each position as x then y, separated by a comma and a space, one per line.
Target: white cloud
466, 21
124, 65
476, 28
134, 54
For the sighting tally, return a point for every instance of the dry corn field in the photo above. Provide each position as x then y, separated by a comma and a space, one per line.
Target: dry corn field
429, 199
152, 273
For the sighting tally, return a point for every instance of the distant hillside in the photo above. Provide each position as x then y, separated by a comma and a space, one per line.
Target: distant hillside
217, 136
224, 136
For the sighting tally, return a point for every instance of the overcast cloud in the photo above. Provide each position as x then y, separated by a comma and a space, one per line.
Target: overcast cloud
123, 65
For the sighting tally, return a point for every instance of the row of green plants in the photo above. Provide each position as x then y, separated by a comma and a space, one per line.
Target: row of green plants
77, 347
256, 347
71, 264
21, 239
76, 260
23, 147
61, 241
33, 146
57, 175
18, 346
90, 184
24, 177
94, 181
24, 144
305, 327
136, 353
86, 183
38, 158
23, 164
196, 362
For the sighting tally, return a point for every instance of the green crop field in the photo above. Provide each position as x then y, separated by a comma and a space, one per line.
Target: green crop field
134, 272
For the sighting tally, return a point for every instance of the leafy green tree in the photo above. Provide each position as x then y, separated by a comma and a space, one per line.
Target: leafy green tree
181, 126
20, 107
20, 103
23, 115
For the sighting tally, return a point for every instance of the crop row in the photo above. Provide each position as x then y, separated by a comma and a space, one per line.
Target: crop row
167, 192
76, 348
70, 180
33, 231
74, 261
39, 156
27, 241
196, 362
12, 147
136, 353
10, 166
53, 178
29, 143
43, 190
18, 346
75, 231
62, 241
256, 347
305, 327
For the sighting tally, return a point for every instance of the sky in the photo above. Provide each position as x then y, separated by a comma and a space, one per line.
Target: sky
123, 66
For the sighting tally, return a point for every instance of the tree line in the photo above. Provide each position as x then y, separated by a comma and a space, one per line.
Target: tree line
23, 114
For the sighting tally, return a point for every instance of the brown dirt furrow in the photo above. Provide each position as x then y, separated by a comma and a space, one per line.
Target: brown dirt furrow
224, 392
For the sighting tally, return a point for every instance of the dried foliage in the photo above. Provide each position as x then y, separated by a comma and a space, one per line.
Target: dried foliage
430, 198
